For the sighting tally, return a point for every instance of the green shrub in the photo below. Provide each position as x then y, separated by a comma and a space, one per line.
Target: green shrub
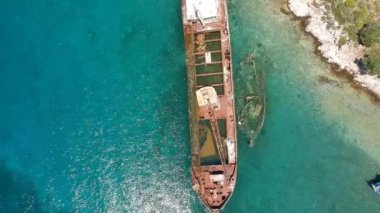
373, 61
340, 12
362, 17
342, 41
350, 3
370, 34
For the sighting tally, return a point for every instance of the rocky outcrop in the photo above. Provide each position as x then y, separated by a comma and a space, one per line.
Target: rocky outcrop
322, 25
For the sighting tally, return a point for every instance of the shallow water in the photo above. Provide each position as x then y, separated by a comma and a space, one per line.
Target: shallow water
93, 113
320, 141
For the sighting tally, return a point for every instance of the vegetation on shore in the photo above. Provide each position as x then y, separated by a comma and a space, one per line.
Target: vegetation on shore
360, 19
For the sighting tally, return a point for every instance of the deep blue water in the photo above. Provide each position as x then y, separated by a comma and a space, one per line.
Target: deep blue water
93, 105
93, 116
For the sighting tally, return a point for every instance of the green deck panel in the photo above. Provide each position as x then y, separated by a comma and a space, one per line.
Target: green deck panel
216, 56
212, 35
210, 68
213, 46
207, 80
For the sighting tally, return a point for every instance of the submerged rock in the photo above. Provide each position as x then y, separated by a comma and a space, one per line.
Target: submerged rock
285, 9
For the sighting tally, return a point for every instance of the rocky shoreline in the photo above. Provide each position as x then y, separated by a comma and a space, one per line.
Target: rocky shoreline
322, 25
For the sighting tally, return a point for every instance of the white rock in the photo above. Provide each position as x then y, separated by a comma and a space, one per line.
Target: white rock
300, 8
343, 56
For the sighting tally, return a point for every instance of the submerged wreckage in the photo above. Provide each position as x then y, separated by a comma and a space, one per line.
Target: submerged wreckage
213, 136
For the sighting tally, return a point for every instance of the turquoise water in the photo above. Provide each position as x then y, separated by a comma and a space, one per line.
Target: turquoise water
93, 114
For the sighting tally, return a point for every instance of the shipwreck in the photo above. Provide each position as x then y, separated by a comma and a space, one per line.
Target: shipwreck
212, 119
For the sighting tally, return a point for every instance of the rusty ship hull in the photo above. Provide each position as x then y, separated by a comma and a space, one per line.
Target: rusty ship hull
212, 119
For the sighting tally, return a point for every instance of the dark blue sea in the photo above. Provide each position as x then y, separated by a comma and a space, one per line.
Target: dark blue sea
93, 113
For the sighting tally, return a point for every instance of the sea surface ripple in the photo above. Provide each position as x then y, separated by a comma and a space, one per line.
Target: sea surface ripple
93, 113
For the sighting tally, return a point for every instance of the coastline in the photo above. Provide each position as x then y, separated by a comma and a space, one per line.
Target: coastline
321, 24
